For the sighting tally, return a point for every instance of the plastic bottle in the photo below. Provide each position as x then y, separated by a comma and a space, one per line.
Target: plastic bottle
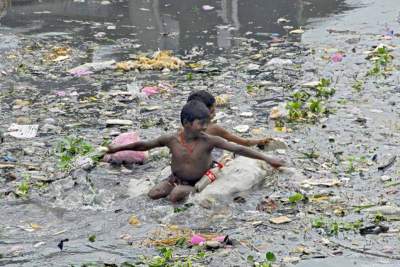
207, 179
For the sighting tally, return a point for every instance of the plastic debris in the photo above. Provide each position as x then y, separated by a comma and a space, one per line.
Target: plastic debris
312, 84
134, 89
323, 182
213, 244
373, 230
197, 240
297, 31
133, 220
242, 128
88, 68
9, 158
61, 243
283, 20
23, 131
207, 7
337, 57
279, 62
253, 67
278, 112
384, 210
58, 54
388, 164
267, 205
246, 114
126, 156
280, 220
119, 122
222, 100
150, 90
84, 162
159, 61
220, 238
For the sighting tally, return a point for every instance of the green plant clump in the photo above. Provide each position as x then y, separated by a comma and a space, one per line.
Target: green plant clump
267, 262
70, 147
309, 106
334, 227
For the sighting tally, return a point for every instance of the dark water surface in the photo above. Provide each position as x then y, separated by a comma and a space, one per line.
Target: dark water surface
176, 25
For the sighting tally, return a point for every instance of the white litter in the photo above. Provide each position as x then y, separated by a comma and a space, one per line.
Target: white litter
23, 131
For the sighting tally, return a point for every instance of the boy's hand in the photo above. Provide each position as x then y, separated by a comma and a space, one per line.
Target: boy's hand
276, 163
265, 141
103, 149
111, 148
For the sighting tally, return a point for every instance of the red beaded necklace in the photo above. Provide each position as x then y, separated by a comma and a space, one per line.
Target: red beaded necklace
184, 144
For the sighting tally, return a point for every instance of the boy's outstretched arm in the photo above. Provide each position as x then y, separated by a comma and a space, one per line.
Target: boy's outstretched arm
217, 130
141, 145
247, 152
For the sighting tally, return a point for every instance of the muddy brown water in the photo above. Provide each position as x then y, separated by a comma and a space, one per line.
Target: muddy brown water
98, 202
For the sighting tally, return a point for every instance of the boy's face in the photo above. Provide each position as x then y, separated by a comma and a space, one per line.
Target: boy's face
198, 126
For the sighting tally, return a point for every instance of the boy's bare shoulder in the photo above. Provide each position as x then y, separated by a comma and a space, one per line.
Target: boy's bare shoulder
211, 138
213, 128
168, 138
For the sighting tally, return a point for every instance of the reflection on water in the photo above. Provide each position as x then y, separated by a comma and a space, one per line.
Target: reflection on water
164, 24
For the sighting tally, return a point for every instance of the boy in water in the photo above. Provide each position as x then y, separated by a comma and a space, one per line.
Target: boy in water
191, 151
214, 129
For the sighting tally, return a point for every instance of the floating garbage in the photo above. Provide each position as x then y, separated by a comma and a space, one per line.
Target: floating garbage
337, 57
207, 7
222, 100
197, 240
161, 60
119, 122
297, 31
126, 156
58, 54
280, 220
150, 90
89, 68
23, 131
242, 128
279, 62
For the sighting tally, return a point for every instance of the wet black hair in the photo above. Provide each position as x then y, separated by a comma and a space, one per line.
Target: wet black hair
194, 110
202, 96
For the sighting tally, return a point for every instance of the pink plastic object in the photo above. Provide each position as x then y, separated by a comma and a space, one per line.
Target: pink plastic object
61, 93
150, 90
220, 238
126, 156
197, 240
81, 72
337, 57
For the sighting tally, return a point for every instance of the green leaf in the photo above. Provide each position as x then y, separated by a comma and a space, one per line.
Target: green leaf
181, 242
157, 261
296, 198
250, 259
201, 255
270, 256
166, 253
92, 238
318, 223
